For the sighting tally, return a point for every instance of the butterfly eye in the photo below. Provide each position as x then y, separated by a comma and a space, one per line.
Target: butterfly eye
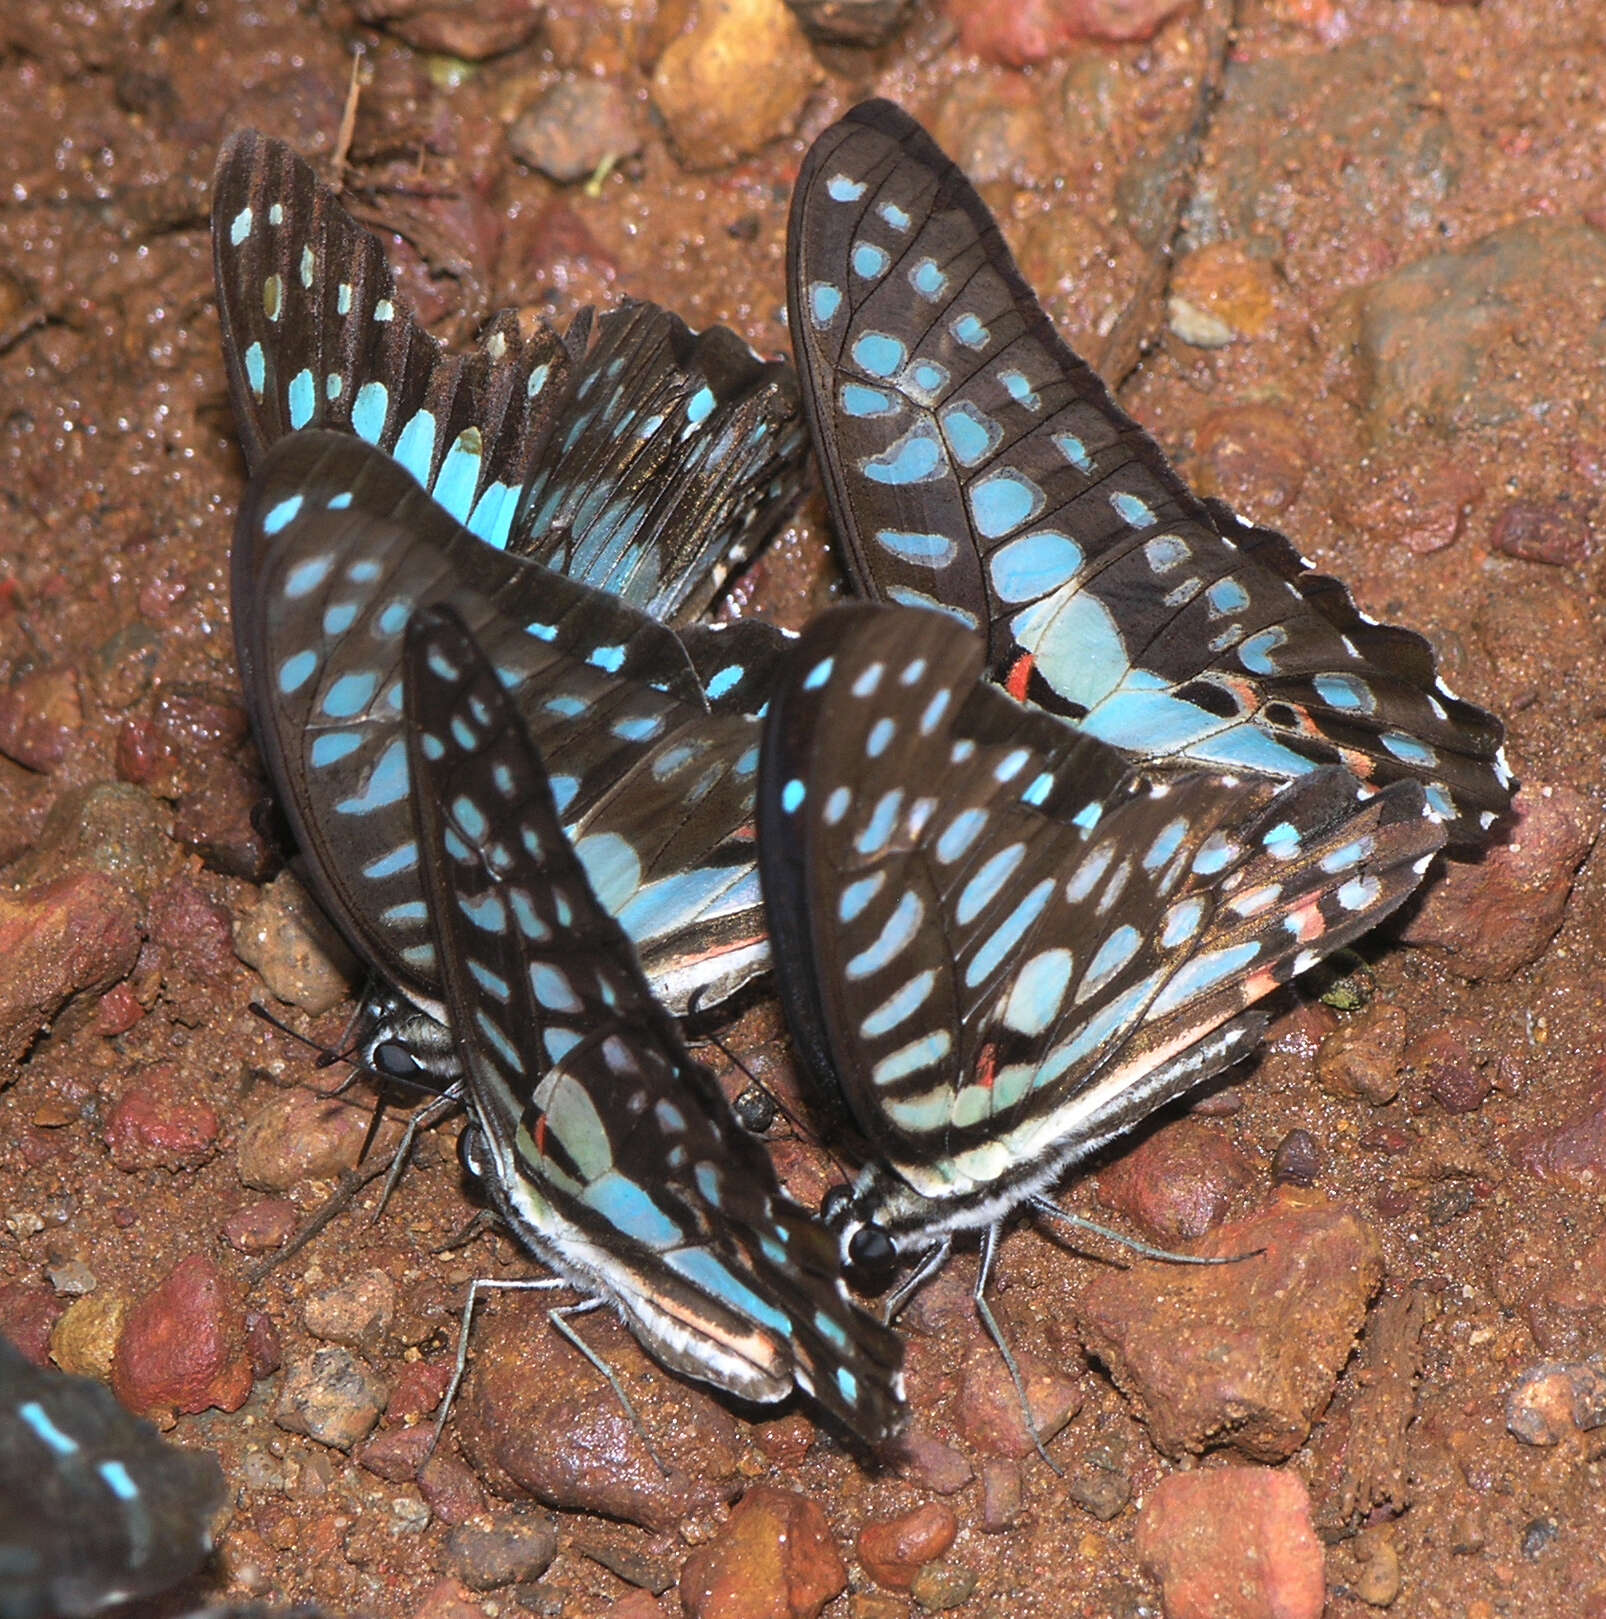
872, 1258
755, 1110
473, 1153
394, 1061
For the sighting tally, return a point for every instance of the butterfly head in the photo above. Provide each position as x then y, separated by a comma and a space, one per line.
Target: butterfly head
398, 1042
871, 1257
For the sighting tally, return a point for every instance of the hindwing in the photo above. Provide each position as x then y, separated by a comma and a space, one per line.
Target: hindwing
975, 464
1004, 943
631, 452
612, 1151
335, 546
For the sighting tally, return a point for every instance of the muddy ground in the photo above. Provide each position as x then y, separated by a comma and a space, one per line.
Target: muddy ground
1348, 262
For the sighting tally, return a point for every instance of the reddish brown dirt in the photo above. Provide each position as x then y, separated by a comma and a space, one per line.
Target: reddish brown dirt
120, 479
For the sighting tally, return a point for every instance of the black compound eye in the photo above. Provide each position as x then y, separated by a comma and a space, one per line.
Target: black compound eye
392, 1059
873, 1258
755, 1110
472, 1153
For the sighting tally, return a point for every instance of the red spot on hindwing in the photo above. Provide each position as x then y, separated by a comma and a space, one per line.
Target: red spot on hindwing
1020, 676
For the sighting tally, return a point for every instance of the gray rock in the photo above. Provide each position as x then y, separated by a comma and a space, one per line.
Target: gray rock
332, 1398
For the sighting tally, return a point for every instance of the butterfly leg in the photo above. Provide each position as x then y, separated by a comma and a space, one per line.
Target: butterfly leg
1046, 1206
560, 1324
984, 1271
932, 1261
425, 1118
559, 1319
533, 1284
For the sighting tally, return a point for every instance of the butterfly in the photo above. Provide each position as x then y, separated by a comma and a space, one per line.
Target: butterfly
975, 464
612, 1154
1002, 944
629, 452
95, 1507
647, 735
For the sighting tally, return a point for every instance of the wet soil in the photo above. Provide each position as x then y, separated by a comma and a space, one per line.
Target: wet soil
1270, 174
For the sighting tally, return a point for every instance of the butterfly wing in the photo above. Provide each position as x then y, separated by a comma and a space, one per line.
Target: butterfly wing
335, 546
643, 457
95, 1507
974, 463
614, 1153
1008, 948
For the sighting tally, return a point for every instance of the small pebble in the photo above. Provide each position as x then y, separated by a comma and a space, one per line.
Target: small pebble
509, 1550
359, 1313
57, 939
1380, 1580
297, 1135
262, 1341
734, 81
1538, 1537
301, 958
1101, 1492
1551, 532
452, 1490
940, 1586
1552, 1401
330, 1397
924, 1459
1015, 35
571, 130
29, 1312
1491, 918
417, 1392
122, 667
1233, 1543
1177, 1182
1363, 1057
989, 1412
863, 23
634, 1564
182, 1347
85, 1338
262, 1226
774, 1557
194, 929
397, 1454
155, 1124
40, 718
1297, 1160
537, 1413
894, 1550
1003, 1495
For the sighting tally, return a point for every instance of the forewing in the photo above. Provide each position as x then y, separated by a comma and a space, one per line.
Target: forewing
974, 463
616, 1151
335, 546
1008, 954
